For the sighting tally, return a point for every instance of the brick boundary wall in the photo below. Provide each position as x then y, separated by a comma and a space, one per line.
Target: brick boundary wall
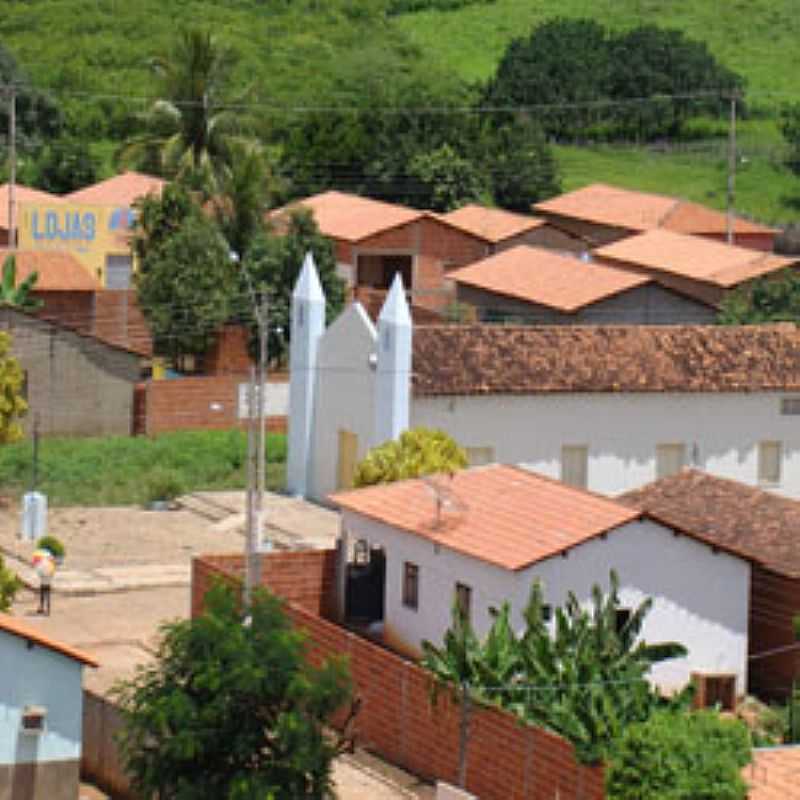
205, 402
506, 759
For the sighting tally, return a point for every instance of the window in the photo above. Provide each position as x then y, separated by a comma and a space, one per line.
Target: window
547, 613
575, 465
790, 405
464, 600
670, 459
769, 463
478, 456
622, 617
411, 585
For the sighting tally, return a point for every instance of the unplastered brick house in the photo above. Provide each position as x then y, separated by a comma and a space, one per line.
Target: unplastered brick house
485, 535
374, 241
600, 214
608, 408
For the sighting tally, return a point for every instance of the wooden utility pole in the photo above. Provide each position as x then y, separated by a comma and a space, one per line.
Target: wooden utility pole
250, 553
12, 167
263, 354
731, 221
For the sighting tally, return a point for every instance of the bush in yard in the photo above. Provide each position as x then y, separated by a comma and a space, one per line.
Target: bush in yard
680, 756
164, 484
230, 710
10, 584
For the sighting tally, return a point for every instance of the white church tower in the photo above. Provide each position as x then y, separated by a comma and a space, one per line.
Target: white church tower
308, 325
393, 369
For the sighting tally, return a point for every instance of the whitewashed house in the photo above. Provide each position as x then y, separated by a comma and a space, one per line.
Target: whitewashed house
482, 538
608, 408
41, 702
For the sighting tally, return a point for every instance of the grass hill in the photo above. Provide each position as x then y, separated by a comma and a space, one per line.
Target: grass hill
93, 55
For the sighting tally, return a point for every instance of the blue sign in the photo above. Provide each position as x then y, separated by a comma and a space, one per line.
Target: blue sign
65, 225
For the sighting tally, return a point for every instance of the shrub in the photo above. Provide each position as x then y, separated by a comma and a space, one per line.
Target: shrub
164, 484
10, 584
55, 546
680, 756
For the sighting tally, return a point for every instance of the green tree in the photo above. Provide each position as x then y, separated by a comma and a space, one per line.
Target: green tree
273, 265
65, 164
790, 129
418, 452
675, 755
446, 180
18, 295
187, 131
230, 708
773, 298
12, 404
187, 280
10, 584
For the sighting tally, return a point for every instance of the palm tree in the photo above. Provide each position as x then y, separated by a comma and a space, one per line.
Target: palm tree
188, 130
18, 296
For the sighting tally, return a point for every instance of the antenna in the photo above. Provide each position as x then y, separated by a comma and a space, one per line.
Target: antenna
444, 497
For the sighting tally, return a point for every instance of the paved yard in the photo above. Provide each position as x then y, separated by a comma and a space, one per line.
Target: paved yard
774, 774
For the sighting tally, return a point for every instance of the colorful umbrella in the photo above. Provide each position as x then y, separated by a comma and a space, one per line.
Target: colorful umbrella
44, 563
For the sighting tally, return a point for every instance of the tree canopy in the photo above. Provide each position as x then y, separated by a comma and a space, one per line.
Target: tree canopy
12, 404
772, 298
230, 708
14, 294
417, 452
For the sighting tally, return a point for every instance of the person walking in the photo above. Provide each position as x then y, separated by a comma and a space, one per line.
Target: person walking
45, 565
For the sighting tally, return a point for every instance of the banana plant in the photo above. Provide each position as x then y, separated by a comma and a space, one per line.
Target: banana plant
18, 296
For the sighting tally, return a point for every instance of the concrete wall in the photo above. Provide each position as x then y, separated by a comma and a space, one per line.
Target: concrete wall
76, 384
650, 304
621, 431
701, 598
39, 676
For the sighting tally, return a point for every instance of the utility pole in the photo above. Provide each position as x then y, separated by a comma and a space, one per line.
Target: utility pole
263, 330
12, 167
35, 480
250, 554
731, 170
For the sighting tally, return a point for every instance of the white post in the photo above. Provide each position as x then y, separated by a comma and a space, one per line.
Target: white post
308, 325
393, 370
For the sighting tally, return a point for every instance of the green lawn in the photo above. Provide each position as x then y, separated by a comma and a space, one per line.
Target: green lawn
114, 470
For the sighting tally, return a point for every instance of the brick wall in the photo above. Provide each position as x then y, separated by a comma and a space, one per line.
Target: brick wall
206, 402
119, 320
506, 760
228, 354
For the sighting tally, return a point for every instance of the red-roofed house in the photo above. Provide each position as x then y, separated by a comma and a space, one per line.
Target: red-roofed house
120, 190
537, 286
484, 536
22, 195
600, 214
41, 701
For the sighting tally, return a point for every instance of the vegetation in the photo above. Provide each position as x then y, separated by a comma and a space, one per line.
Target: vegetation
231, 709
768, 299
12, 404
164, 485
10, 584
680, 755
585, 677
419, 451
53, 545
110, 470
18, 295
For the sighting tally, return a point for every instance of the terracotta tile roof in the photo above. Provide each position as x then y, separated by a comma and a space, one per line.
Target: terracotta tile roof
507, 516
757, 524
536, 275
640, 211
121, 190
774, 774
58, 271
18, 628
491, 224
693, 257
348, 216
22, 194
518, 359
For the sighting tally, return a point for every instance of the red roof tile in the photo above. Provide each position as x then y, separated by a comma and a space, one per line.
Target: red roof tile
614, 206
348, 216
491, 224
17, 628
756, 524
520, 359
693, 257
121, 190
508, 516
536, 275
58, 271
22, 194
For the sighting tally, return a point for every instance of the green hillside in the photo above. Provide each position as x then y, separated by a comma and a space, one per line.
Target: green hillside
298, 54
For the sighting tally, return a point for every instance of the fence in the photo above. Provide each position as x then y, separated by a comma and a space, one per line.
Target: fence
506, 759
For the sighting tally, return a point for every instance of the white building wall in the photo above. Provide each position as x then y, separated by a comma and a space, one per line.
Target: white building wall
622, 431
701, 599
38, 677
345, 395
